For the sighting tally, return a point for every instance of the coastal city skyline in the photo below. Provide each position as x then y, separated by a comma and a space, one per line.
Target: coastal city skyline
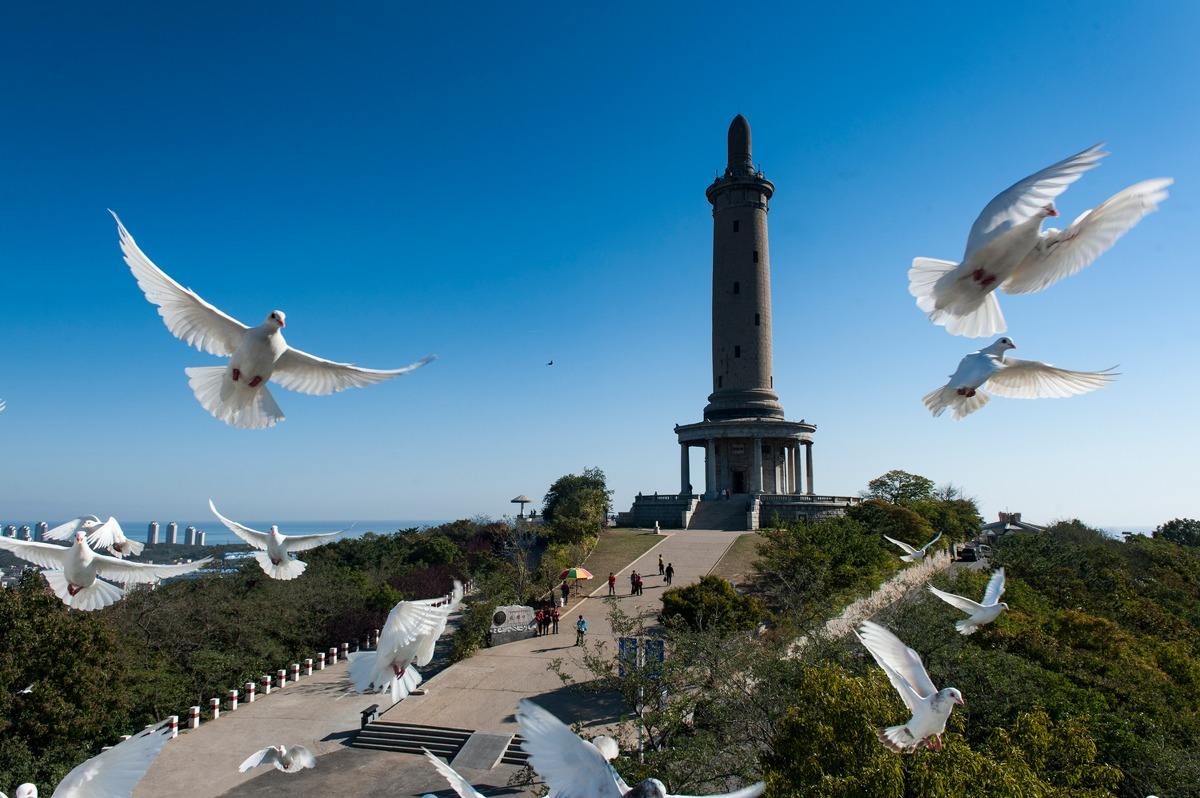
503, 221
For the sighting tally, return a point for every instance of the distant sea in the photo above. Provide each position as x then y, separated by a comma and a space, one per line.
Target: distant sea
216, 534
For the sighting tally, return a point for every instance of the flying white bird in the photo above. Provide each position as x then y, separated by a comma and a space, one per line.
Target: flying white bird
73, 571
273, 555
930, 707
110, 774
289, 759
3, 405
1012, 378
460, 785
237, 393
1008, 249
913, 554
981, 612
107, 535
575, 768
407, 640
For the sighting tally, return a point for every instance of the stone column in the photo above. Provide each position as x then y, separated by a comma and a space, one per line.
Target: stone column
710, 468
795, 486
756, 467
808, 465
684, 469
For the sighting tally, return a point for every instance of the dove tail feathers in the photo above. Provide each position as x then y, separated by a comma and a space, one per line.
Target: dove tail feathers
953, 302
405, 683
965, 627
938, 400
234, 403
288, 569
97, 595
897, 739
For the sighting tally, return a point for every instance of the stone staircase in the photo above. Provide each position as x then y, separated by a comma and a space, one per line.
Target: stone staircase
447, 743
411, 738
727, 514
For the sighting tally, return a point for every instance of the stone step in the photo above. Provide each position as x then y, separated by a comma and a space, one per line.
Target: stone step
728, 514
412, 738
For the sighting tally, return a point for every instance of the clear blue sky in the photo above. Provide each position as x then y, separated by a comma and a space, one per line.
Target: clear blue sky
516, 183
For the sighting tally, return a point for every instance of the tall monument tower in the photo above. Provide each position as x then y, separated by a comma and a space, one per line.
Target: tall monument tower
757, 464
743, 378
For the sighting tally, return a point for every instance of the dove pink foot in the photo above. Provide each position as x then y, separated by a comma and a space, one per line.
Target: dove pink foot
237, 375
73, 589
257, 381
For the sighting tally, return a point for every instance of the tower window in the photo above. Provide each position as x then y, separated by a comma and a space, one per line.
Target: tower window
735, 225
757, 320
772, 378
719, 381
737, 287
737, 351
756, 256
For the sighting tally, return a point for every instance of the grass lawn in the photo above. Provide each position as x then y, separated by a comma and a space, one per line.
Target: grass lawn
616, 549
738, 563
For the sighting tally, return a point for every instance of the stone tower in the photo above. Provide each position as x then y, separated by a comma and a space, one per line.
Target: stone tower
757, 464
743, 378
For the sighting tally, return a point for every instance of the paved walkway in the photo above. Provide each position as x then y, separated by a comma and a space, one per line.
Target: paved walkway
479, 693
317, 712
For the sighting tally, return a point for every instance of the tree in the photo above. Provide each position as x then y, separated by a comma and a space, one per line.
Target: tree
899, 487
712, 603
894, 520
807, 570
1184, 531
576, 505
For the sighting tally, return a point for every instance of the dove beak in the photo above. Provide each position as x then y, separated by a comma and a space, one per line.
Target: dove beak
962, 702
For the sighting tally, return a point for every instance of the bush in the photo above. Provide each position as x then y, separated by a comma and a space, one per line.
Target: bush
711, 603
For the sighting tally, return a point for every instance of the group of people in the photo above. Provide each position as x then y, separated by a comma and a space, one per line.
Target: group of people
665, 569
547, 620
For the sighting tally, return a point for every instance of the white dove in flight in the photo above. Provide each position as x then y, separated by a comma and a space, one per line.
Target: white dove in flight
930, 707
912, 554
72, 571
1011, 378
981, 613
236, 393
289, 759
1008, 249
110, 774
107, 535
407, 640
575, 768
274, 547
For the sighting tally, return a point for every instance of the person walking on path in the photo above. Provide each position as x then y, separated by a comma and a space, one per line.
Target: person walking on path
566, 591
633, 583
540, 617
554, 619
580, 630
612, 584
662, 569
669, 573
637, 587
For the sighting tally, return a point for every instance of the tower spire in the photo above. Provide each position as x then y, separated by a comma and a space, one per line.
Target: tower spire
740, 159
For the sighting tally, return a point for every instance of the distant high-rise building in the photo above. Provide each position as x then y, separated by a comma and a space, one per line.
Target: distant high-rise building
40, 530
172, 533
11, 530
26, 533
191, 535
152, 534
200, 538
